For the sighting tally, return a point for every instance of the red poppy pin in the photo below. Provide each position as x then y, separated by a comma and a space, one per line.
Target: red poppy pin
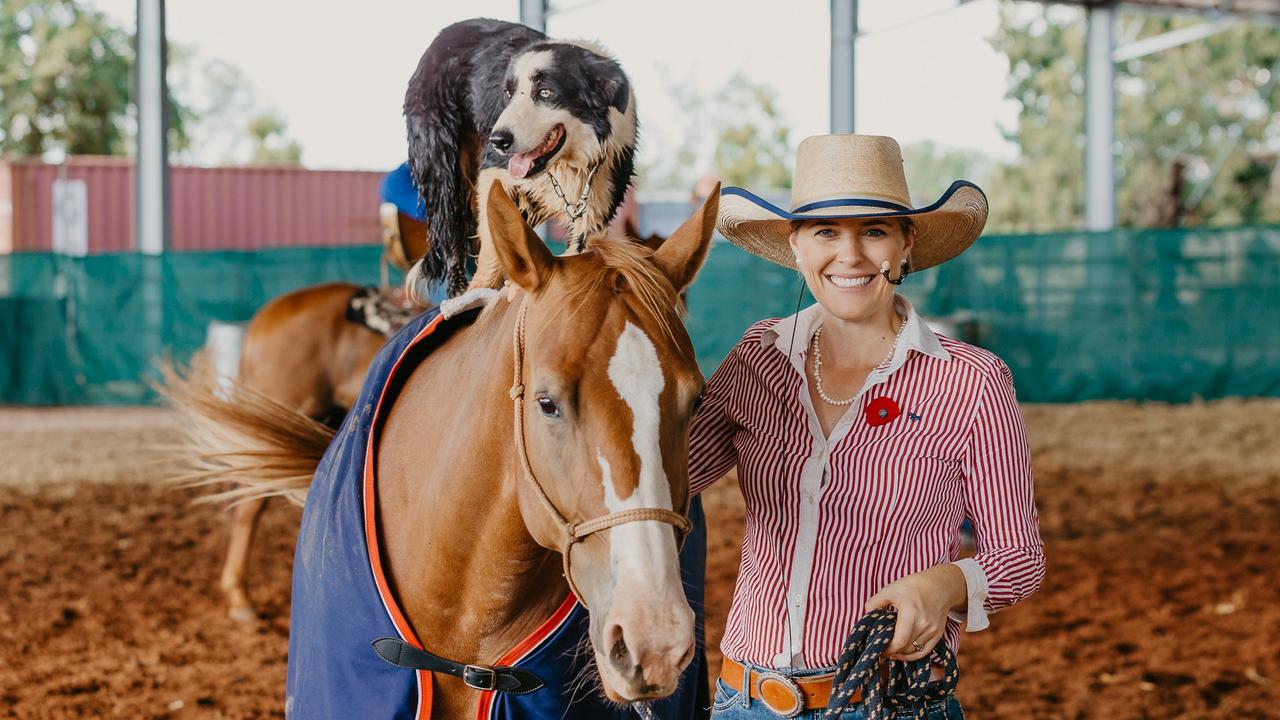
882, 410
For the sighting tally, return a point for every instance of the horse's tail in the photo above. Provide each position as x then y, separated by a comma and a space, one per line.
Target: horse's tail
236, 435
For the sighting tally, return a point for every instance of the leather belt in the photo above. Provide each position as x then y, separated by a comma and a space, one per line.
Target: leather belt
785, 696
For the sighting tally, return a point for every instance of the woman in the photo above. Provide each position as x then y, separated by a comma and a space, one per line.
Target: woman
862, 439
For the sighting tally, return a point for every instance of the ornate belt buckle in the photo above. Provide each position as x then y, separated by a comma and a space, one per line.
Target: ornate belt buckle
776, 689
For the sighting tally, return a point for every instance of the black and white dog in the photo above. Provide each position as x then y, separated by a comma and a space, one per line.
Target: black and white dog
554, 121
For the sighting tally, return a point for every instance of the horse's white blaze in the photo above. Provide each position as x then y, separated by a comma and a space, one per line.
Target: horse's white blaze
643, 552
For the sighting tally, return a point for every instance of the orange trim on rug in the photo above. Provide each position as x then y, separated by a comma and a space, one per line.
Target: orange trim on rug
485, 704
512, 656
371, 534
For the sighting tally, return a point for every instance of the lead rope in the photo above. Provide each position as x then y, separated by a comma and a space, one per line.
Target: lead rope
570, 533
904, 688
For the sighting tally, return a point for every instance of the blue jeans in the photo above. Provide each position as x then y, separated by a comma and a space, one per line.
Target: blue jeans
730, 704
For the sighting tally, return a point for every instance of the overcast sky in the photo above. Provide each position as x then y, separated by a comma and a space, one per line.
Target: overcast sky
337, 72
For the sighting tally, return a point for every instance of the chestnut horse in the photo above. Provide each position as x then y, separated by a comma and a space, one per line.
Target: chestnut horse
301, 351
481, 538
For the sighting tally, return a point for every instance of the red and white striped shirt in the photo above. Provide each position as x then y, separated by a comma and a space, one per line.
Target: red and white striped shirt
831, 521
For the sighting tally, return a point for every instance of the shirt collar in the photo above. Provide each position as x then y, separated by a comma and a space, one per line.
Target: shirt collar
915, 336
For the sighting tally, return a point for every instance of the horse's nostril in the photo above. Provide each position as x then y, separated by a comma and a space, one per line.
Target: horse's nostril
501, 139
618, 652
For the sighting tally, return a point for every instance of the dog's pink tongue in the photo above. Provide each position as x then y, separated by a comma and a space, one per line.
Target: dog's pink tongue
519, 164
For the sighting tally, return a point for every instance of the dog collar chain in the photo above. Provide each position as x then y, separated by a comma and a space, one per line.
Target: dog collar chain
578, 209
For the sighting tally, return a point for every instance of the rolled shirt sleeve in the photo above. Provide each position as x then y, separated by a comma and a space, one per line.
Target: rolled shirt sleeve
999, 500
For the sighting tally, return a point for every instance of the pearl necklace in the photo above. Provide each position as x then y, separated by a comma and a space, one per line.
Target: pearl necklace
817, 364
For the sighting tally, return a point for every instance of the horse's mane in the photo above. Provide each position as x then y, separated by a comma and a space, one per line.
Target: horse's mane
629, 264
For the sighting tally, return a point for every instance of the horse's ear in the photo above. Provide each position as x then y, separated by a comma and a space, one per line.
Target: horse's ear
682, 255
524, 258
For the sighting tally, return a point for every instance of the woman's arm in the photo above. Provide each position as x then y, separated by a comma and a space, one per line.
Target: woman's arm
999, 501
711, 451
1009, 564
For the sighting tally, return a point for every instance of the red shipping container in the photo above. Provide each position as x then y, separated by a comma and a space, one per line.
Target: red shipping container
231, 208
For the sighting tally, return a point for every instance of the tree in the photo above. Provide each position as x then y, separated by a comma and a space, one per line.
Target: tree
65, 74
737, 131
271, 146
231, 126
932, 168
753, 143
64, 79
1209, 106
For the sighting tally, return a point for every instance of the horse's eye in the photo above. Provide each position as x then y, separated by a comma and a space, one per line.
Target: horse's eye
548, 407
545, 93
697, 403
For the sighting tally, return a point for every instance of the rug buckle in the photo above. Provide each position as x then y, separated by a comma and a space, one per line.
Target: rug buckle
479, 677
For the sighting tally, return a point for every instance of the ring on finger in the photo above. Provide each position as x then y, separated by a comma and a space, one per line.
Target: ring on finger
915, 644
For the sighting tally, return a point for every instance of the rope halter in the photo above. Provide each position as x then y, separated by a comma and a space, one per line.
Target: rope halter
570, 534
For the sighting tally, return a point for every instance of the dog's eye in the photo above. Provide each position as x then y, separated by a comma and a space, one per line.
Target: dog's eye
507, 93
546, 93
548, 407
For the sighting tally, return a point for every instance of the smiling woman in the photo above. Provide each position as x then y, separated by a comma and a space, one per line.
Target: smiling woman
862, 438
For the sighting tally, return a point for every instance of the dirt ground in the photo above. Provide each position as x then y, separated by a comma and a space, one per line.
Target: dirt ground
1162, 529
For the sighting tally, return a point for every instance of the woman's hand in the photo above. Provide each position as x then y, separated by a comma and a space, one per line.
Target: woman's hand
922, 601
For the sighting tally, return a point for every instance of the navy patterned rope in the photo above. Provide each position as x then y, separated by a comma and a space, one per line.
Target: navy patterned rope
904, 687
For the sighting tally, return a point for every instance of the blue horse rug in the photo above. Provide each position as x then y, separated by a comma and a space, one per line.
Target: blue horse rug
341, 601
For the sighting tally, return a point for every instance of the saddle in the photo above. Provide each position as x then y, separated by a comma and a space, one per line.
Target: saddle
382, 310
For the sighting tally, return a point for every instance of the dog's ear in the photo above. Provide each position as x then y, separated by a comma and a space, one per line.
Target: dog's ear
611, 83
524, 258
682, 255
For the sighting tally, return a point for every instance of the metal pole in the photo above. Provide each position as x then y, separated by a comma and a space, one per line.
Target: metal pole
151, 188
1099, 124
534, 14
844, 31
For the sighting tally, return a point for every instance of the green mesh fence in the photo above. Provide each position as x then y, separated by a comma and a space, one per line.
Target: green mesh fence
1164, 315
86, 330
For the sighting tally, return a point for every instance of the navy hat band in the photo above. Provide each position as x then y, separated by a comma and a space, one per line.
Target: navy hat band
851, 202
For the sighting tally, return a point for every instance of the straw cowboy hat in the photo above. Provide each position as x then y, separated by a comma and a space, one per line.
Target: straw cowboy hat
853, 176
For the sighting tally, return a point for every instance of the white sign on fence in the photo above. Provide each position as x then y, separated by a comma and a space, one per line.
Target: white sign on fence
71, 217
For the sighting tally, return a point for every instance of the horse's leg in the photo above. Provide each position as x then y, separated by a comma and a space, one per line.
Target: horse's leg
242, 521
